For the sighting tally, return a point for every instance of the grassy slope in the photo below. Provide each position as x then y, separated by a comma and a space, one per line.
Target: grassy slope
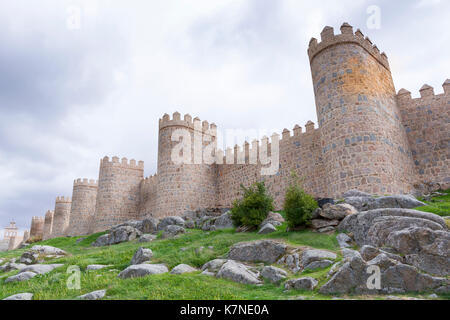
438, 205
167, 286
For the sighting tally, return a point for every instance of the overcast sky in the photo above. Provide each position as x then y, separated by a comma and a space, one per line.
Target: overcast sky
71, 93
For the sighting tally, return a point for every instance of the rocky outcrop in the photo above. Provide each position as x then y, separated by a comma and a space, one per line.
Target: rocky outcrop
238, 272
273, 274
170, 221
142, 255
20, 296
214, 265
171, 231
142, 270
365, 203
31, 271
117, 235
267, 228
305, 283
267, 251
95, 295
182, 268
48, 250
327, 218
94, 267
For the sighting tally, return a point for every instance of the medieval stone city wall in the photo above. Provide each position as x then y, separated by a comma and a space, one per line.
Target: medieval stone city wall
84, 198
61, 216
363, 140
37, 227
427, 124
118, 195
368, 138
48, 225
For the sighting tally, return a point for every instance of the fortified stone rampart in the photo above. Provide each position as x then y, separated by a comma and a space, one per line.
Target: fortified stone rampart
48, 225
364, 144
37, 228
368, 138
61, 216
118, 195
84, 198
427, 124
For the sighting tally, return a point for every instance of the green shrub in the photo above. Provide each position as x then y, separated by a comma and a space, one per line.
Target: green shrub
253, 207
298, 205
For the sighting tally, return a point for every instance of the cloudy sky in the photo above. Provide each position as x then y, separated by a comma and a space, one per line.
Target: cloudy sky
83, 79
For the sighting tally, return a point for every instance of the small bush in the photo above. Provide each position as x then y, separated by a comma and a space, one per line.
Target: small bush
253, 207
298, 205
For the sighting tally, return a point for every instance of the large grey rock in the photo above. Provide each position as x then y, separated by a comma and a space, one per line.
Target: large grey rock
147, 238
93, 267
182, 268
141, 255
395, 277
168, 221
423, 248
323, 223
305, 283
355, 193
320, 264
29, 257
40, 268
9, 266
274, 218
273, 274
214, 265
172, 231
267, 228
238, 272
311, 255
20, 296
369, 252
149, 225
142, 270
292, 261
224, 221
343, 240
117, 235
23, 276
359, 224
350, 253
48, 250
397, 201
267, 251
337, 211
95, 295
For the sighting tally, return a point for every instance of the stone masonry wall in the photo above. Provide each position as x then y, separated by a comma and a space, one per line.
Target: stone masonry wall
118, 195
364, 144
427, 123
37, 227
48, 224
61, 216
84, 199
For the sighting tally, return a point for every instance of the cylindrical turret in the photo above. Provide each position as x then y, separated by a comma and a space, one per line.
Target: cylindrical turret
37, 227
61, 216
118, 193
48, 225
363, 141
192, 184
84, 198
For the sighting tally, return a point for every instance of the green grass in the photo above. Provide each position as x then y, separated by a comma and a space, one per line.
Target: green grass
52, 286
438, 205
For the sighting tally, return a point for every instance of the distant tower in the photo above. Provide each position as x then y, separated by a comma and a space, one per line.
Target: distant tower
84, 198
37, 228
61, 216
48, 224
363, 141
10, 232
184, 187
118, 195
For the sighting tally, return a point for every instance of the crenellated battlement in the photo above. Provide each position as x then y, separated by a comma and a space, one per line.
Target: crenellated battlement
328, 39
124, 163
188, 123
150, 180
85, 183
37, 219
49, 213
425, 91
63, 199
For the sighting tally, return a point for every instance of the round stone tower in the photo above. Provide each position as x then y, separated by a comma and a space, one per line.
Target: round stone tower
191, 184
118, 193
48, 224
363, 142
61, 216
84, 198
37, 227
